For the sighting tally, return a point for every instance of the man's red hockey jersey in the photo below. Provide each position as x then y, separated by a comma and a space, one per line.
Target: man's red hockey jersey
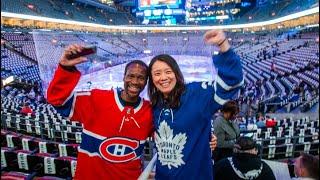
113, 135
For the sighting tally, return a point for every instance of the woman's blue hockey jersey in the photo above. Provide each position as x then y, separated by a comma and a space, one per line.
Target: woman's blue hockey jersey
183, 134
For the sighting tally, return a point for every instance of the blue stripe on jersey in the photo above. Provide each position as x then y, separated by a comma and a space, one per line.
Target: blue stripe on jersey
226, 62
66, 108
89, 143
221, 93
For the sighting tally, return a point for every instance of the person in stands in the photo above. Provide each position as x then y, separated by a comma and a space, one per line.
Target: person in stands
26, 109
271, 122
244, 163
226, 130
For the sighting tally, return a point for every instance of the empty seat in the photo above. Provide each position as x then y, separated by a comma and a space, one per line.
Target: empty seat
65, 166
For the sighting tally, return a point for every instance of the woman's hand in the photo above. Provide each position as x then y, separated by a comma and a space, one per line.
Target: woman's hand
218, 38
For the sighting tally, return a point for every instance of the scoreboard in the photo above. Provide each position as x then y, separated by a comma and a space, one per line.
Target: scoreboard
216, 11
171, 12
165, 12
147, 4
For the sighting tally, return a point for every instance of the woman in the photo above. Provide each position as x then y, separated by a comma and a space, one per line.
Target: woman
226, 130
182, 112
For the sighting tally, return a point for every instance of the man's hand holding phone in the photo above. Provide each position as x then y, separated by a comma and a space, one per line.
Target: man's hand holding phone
75, 54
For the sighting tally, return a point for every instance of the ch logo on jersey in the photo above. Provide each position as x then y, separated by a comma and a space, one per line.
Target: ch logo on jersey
118, 149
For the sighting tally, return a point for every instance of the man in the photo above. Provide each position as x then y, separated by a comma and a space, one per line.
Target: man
116, 122
244, 163
306, 167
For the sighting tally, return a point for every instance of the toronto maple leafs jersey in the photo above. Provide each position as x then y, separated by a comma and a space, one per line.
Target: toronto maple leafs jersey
183, 134
113, 135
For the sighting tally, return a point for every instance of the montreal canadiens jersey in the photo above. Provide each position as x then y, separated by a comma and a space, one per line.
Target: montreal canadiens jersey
113, 135
183, 134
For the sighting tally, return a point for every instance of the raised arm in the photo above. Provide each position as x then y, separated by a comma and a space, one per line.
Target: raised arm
60, 92
229, 77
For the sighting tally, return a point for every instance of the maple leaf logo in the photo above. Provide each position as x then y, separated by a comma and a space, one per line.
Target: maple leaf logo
169, 146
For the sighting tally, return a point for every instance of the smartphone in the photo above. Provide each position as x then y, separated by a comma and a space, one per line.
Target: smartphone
85, 51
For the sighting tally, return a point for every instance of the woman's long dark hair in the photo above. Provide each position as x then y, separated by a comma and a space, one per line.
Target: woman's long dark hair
156, 97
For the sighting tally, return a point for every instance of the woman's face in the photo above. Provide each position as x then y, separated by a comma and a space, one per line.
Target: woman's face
163, 77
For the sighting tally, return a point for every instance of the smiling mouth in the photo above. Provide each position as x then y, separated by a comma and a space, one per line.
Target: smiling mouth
133, 89
165, 85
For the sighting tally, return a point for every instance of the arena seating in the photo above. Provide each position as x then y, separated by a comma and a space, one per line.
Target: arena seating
273, 9
67, 10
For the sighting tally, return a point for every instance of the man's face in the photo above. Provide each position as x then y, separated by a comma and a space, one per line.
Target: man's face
135, 80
